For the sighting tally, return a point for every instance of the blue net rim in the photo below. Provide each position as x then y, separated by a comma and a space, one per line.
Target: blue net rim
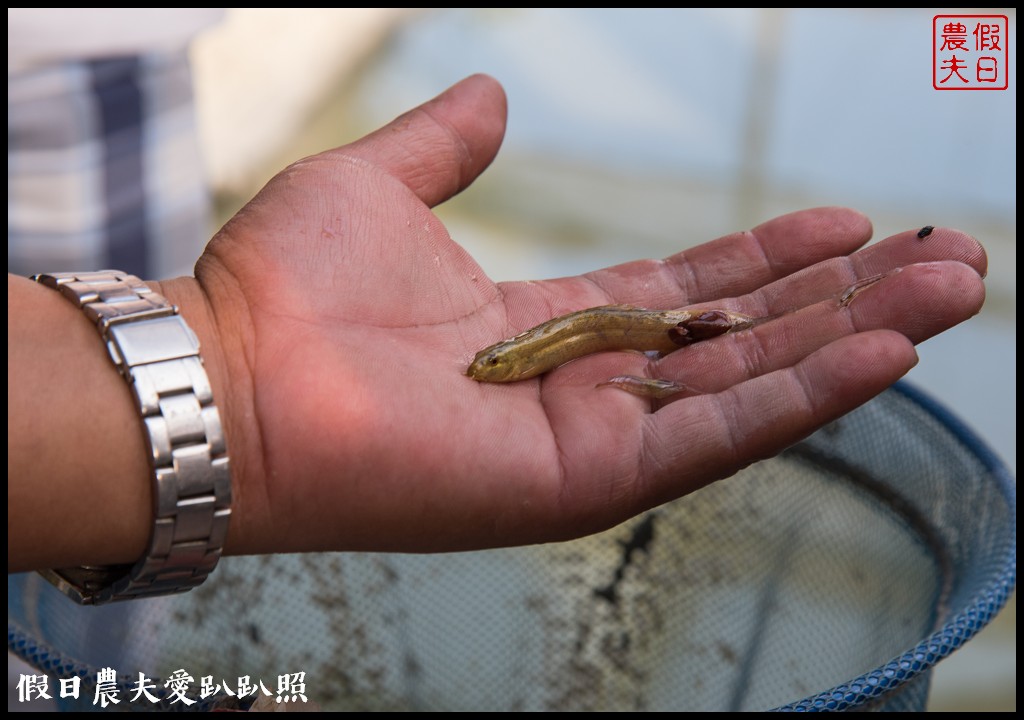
961, 627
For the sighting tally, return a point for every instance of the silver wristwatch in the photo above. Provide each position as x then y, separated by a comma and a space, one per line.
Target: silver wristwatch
158, 354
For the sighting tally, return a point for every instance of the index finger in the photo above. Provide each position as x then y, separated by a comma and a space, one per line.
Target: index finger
730, 266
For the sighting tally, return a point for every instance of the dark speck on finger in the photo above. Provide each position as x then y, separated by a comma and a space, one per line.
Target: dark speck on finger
925, 232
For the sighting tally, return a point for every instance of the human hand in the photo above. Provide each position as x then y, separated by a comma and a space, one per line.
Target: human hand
337, 319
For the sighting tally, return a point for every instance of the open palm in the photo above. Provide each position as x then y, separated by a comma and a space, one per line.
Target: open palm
343, 317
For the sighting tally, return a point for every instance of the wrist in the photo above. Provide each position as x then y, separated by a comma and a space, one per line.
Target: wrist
157, 353
225, 359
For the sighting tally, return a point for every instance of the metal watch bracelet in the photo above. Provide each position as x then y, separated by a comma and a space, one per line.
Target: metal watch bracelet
158, 354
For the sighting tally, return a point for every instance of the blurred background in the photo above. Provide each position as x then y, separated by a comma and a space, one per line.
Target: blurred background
637, 133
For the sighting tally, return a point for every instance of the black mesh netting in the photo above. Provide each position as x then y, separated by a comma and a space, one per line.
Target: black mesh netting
831, 577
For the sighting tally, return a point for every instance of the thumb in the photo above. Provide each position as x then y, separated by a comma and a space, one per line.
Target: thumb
441, 147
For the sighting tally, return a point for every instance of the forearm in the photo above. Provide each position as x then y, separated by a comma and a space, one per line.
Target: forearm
78, 487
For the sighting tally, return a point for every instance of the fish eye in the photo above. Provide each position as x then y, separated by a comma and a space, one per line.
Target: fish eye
492, 360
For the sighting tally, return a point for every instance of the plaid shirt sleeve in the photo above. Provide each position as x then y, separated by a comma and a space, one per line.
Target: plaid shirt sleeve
103, 166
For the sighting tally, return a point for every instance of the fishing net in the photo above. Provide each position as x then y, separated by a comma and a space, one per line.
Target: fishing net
833, 576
